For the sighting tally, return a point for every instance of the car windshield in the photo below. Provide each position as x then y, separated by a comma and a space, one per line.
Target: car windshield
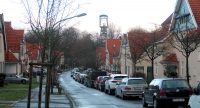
105, 78
119, 77
175, 84
136, 81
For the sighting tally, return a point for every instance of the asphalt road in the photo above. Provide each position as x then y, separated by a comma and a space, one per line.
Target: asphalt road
85, 97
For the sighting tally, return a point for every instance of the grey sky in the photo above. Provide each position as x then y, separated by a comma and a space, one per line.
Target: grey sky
125, 14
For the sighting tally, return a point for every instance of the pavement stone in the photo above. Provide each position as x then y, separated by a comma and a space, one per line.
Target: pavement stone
56, 100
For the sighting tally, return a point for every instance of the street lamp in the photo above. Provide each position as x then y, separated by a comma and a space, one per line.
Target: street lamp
80, 15
49, 76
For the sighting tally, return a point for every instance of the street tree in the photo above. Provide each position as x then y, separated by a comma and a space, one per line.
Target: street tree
152, 46
135, 50
113, 31
186, 39
46, 19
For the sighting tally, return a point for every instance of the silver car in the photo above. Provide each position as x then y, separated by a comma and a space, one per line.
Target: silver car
130, 87
16, 79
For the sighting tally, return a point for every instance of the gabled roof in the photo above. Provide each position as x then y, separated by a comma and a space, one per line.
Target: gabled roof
195, 7
113, 47
13, 37
10, 57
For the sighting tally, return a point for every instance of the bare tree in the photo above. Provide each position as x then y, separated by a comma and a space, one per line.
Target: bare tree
46, 19
186, 40
113, 31
152, 46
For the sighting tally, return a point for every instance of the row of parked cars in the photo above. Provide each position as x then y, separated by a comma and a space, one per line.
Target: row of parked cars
159, 92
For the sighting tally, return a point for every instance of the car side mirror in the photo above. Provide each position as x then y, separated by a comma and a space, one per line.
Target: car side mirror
196, 91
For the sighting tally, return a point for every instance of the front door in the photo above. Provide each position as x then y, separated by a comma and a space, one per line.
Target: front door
149, 74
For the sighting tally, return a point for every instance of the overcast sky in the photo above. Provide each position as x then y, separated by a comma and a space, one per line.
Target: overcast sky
125, 14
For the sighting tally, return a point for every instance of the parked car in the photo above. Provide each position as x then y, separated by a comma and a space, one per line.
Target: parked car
130, 87
16, 79
194, 101
73, 71
91, 76
110, 84
82, 77
96, 82
167, 91
101, 84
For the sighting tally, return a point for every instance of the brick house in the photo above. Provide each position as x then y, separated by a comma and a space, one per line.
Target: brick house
14, 38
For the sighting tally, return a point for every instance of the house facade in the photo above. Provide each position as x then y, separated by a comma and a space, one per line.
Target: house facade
14, 38
3, 47
126, 63
112, 55
185, 17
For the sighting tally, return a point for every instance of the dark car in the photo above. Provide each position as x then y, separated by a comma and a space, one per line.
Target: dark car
167, 91
91, 76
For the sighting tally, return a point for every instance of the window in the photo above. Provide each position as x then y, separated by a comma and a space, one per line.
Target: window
183, 18
175, 84
119, 77
140, 69
136, 81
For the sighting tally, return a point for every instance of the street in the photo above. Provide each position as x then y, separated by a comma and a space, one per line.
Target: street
85, 97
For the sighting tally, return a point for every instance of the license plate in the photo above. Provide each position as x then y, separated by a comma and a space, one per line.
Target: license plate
178, 100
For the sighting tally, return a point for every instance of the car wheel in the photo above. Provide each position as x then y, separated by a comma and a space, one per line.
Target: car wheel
144, 102
123, 96
116, 93
109, 91
105, 91
23, 81
156, 104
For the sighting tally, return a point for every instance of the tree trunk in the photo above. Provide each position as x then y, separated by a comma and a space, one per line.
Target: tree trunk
152, 69
187, 69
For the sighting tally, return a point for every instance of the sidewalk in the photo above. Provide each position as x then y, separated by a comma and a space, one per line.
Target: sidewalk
56, 100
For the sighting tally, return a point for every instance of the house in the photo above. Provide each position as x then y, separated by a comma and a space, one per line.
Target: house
14, 37
112, 55
3, 45
186, 17
136, 61
125, 57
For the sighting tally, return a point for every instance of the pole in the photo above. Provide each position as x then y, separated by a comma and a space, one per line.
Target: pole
29, 88
40, 89
48, 83
125, 62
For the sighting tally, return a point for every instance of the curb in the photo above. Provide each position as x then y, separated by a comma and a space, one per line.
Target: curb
71, 100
